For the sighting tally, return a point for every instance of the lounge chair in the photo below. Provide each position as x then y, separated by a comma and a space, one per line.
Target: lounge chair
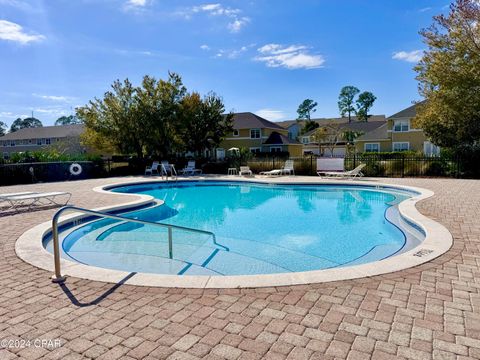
151, 169
288, 169
357, 172
190, 169
245, 171
34, 199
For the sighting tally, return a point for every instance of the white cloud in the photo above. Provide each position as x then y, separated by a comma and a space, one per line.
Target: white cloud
52, 97
231, 53
425, 9
204, 47
13, 32
290, 57
136, 3
236, 22
270, 114
409, 56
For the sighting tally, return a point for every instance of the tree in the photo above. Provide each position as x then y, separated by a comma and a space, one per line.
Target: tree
449, 77
29, 122
67, 120
364, 104
203, 124
346, 101
330, 135
3, 128
306, 109
310, 125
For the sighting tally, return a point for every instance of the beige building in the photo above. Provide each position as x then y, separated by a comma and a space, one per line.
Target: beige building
35, 139
258, 135
397, 134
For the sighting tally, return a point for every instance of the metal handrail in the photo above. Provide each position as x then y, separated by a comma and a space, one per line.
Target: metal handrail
56, 247
173, 171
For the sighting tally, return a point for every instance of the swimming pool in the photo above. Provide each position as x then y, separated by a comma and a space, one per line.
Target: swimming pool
258, 229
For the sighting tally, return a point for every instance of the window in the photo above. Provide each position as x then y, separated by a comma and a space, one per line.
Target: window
430, 149
39, 142
372, 147
255, 150
401, 125
255, 133
29, 141
236, 132
47, 141
12, 143
305, 140
275, 149
401, 146
6, 155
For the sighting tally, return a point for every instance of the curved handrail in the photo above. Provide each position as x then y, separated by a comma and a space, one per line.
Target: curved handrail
56, 247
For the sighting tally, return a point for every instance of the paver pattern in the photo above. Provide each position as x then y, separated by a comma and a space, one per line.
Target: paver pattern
431, 311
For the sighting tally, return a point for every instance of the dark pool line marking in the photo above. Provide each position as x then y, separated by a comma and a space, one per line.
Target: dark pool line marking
212, 255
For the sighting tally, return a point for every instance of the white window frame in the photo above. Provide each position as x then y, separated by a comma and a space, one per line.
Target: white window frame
255, 149
276, 148
398, 143
371, 143
236, 132
305, 139
402, 123
259, 133
431, 147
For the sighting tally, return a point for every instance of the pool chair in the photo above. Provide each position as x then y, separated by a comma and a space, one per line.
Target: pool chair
245, 171
357, 172
190, 169
151, 169
30, 200
288, 169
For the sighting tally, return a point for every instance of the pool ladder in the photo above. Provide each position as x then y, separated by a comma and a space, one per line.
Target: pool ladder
171, 169
57, 277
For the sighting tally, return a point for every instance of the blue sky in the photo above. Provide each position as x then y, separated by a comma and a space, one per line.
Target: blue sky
263, 56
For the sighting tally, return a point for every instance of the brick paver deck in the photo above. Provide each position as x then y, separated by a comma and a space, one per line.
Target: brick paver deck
432, 311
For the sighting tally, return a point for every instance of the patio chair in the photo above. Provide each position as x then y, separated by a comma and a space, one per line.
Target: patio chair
151, 169
245, 171
190, 169
288, 168
357, 172
36, 199
7, 195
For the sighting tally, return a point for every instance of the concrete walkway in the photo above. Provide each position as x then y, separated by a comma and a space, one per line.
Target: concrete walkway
432, 311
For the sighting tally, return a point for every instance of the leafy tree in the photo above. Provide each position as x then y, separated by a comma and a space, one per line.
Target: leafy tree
449, 77
330, 135
67, 120
203, 124
3, 128
29, 122
310, 125
306, 109
364, 104
346, 101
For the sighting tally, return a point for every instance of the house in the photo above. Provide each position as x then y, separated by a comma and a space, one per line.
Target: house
398, 134
258, 135
331, 141
35, 139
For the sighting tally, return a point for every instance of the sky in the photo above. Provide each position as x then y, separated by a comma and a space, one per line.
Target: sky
262, 56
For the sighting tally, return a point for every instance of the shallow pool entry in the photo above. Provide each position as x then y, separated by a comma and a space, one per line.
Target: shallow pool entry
258, 229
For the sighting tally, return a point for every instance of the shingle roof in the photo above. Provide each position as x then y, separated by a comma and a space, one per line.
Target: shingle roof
276, 138
340, 120
248, 120
359, 126
380, 133
409, 112
45, 132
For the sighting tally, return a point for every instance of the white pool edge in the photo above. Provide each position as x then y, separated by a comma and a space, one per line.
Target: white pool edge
438, 240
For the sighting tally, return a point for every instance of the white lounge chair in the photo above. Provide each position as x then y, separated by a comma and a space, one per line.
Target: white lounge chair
36, 199
288, 169
151, 169
357, 172
245, 171
190, 169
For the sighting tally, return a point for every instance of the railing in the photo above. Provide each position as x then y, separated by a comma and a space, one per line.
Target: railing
171, 168
56, 246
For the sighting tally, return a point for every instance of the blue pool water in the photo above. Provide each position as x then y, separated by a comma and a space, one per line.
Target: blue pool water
259, 229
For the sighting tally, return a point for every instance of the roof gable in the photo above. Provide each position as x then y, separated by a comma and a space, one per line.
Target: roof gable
248, 120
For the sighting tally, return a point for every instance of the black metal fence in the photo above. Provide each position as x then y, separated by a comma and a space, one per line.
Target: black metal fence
382, 165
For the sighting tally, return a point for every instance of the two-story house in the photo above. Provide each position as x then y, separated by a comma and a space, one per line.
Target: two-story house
398, 134
258, 135
35, 139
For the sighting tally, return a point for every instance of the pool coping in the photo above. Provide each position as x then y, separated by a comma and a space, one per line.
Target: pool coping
438, 240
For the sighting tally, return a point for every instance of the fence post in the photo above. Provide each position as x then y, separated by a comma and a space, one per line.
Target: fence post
273, 162
354, 160
403, 165
311, 164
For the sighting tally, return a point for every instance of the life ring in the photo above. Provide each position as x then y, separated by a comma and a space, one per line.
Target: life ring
75, 169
